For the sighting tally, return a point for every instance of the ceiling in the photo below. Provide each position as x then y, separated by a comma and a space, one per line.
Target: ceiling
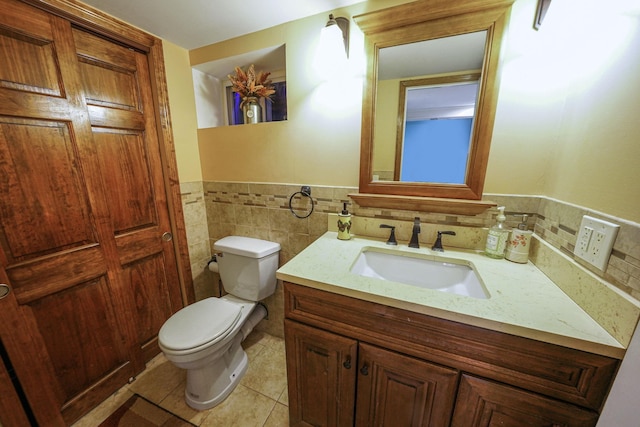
195, 23
444, 55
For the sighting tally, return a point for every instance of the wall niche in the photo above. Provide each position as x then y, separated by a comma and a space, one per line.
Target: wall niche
217, 105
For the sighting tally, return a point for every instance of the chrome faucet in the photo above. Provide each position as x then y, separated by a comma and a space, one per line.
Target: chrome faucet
414, 236
437, 246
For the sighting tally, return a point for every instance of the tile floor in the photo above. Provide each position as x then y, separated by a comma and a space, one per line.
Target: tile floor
260, 400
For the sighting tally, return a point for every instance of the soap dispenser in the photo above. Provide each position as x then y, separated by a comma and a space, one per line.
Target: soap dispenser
497, 238
519, 243
344, 224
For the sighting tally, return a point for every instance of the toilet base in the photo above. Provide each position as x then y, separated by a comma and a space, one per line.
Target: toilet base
210, 385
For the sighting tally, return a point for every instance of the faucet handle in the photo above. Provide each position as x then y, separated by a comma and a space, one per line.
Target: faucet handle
392, 236
437, 246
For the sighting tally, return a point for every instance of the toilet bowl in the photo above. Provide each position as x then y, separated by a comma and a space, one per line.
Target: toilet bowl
205, 337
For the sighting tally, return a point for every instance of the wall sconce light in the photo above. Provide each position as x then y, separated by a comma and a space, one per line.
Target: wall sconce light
335, 35
333, 49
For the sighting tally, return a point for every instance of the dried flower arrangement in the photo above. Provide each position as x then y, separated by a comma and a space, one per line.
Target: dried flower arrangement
249, 84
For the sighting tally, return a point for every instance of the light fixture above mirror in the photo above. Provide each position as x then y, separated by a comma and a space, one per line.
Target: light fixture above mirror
434, 25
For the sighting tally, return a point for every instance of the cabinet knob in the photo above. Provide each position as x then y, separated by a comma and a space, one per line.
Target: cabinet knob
167, 237
347, 363
365, 369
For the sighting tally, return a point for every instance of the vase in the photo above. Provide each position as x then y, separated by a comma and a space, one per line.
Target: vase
251, 110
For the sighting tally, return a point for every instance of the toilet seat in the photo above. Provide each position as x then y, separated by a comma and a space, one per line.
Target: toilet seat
198, 325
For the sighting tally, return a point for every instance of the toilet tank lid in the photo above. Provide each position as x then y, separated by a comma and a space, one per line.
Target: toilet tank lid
246, 246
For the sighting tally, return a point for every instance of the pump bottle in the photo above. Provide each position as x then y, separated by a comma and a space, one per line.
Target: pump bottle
519, 243
497, 237
344, 224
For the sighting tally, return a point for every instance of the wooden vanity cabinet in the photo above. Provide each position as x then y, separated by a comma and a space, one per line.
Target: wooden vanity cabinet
352, 362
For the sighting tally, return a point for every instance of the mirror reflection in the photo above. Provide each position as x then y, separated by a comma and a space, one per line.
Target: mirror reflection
425, 109
438, 119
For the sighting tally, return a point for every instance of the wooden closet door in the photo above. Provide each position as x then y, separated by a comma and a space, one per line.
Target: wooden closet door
82, 212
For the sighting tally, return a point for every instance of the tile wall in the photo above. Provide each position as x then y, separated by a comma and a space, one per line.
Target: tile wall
217, 209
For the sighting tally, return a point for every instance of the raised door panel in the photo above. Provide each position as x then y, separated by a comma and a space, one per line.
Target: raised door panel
147, 279
128, 186
45, 206
482, 403
80, 333
321, 376
396, 390
21, 72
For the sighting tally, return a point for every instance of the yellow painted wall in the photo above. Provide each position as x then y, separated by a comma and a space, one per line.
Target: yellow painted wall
318, 143
566, 123
182, 106
567, 119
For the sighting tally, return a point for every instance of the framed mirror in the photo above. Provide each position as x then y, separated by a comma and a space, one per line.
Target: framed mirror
433, 60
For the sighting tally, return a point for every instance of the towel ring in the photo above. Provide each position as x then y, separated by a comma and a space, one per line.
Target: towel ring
304, 191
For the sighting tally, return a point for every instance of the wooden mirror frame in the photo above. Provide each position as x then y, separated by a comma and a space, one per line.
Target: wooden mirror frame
426, 20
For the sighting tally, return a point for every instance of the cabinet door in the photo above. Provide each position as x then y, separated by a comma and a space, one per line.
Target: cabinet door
482, 403
398, 390
321, 376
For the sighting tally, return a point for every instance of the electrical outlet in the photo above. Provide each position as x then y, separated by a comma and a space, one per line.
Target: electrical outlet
584, 238
595, 241
596, 246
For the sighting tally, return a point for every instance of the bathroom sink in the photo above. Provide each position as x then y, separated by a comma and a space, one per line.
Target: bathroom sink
444, 276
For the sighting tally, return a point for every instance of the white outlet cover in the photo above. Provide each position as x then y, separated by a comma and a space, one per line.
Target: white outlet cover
599, 236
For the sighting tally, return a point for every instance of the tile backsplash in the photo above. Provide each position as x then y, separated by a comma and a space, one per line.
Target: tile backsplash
217, 209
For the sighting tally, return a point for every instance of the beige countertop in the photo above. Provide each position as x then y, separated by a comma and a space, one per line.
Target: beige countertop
523, 301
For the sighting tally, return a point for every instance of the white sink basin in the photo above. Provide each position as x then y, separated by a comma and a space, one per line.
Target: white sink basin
444, 276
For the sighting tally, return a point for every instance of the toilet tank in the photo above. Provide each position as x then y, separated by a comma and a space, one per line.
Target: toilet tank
247, 266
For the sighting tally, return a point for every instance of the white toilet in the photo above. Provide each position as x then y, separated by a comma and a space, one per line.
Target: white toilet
204, 338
